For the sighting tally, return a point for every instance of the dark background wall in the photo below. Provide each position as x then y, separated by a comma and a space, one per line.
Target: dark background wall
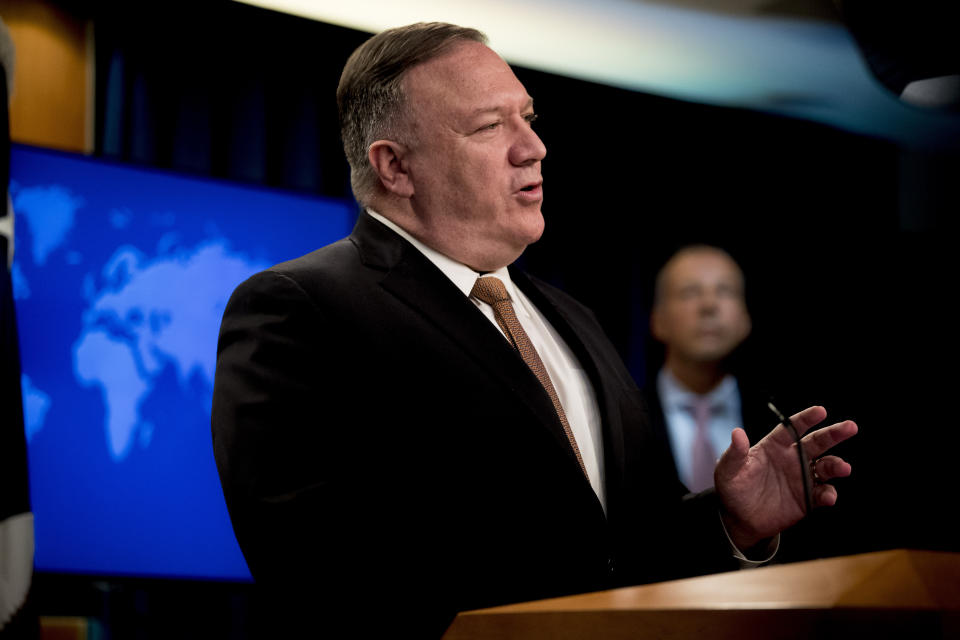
847, 249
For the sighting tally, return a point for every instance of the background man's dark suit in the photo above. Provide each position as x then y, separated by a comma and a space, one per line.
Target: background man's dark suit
383, 449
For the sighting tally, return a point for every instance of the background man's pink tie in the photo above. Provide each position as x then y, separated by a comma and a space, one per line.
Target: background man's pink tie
703, 456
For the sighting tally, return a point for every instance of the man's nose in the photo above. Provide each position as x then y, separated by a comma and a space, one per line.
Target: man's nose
708, 302
527, 148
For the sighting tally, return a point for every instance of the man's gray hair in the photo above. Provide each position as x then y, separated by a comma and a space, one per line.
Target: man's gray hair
370, 96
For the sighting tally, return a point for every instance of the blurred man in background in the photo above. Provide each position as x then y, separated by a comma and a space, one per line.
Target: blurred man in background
700, 315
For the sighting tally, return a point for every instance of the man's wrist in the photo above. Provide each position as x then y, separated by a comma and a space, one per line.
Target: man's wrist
756, 553
743, 537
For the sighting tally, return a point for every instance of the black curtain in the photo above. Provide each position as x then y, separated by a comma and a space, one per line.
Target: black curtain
222, 89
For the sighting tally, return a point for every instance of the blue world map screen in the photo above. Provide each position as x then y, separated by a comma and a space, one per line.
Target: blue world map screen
120, 279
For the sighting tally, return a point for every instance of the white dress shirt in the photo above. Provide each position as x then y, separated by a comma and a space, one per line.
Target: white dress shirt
571, 382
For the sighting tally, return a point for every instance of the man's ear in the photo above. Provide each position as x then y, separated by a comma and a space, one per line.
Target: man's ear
388, 159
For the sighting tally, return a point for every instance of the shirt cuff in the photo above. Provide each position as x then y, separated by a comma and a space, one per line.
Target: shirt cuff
768, 552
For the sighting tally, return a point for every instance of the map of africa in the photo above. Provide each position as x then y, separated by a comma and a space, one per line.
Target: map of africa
120, 279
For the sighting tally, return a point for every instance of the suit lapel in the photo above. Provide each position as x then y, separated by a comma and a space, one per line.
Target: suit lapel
412, 278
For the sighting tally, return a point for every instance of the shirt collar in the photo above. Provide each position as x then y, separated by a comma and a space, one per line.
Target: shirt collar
675, 396
460, 274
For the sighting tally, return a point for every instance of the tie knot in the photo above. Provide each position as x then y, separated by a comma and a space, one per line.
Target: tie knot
489, 290
701, 407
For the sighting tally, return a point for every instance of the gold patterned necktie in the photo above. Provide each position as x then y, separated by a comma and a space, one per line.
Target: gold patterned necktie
492, 291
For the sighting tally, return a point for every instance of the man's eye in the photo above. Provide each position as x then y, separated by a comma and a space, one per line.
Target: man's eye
530, 118
489, 127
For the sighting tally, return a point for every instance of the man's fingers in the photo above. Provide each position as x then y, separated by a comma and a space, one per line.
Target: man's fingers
735, 455
824, 495
830, 467
801, 421
739, 442
822, 440
809, 417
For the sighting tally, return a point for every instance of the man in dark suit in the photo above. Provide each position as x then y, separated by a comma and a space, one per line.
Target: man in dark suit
700, 316
399, 438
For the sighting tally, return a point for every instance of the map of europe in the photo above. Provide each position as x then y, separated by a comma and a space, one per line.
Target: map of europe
120, 279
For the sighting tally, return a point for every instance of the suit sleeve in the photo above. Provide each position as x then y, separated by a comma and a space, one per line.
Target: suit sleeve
280, 416
258, 414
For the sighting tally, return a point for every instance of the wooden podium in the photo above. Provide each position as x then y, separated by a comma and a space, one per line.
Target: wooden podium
887, 594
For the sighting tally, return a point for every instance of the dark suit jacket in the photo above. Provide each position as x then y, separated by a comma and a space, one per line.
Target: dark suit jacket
388, 459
